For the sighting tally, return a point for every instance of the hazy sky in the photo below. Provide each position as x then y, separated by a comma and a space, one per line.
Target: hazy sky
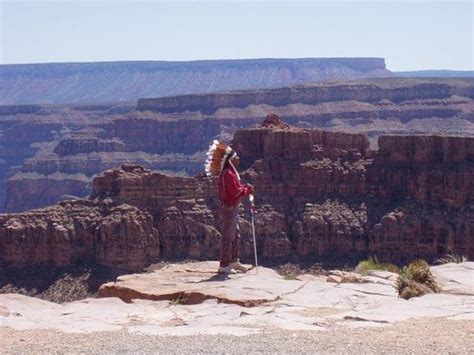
410, 35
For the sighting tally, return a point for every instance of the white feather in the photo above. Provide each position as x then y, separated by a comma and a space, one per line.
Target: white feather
210, 152
210, 155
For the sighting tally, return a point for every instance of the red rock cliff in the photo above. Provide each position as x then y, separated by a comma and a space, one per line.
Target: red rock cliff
320, 196
119, 236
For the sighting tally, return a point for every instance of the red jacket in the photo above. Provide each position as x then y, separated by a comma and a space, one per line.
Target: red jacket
231, 190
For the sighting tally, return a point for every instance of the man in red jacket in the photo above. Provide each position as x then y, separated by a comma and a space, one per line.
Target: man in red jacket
231, 190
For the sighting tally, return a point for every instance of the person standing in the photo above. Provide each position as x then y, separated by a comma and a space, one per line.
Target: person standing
223, 161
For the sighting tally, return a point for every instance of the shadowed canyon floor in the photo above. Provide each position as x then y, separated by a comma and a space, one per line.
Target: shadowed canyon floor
190, 300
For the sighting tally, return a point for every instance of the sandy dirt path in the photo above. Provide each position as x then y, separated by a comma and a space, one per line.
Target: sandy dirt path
430, 336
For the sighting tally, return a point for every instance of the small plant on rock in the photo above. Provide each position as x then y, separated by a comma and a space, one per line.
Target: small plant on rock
451, 258
290, 277
372, 263
416, 280
179, 300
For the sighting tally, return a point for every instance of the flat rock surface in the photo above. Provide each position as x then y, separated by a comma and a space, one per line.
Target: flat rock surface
455, 278
190, 299
193, 283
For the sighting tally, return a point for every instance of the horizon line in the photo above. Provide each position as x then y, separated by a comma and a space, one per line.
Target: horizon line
223, 60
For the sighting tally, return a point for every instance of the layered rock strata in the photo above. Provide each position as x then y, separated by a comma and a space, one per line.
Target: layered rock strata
86, 139
119, 236
309, 94
320, 196
327, 195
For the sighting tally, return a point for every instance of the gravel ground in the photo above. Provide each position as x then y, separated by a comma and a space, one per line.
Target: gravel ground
426, 336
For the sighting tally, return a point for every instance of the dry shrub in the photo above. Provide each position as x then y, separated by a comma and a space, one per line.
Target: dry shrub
372, 263
451, 258
416, 280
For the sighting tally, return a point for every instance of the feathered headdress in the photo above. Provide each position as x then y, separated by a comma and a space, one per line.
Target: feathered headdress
217, 154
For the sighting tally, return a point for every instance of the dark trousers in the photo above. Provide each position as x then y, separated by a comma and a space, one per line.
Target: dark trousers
229, 218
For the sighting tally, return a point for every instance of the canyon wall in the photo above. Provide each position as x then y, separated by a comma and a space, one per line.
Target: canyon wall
321, 196
55, 142
306, 94
77, 232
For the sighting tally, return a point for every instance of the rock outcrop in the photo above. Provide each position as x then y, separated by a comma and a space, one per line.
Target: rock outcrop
350, 201
120, 236
432, 169
197, 283
327, 195
187, 224
23, 187
320, 196
80, 144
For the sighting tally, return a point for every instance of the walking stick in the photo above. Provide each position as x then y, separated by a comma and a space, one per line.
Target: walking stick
252, 210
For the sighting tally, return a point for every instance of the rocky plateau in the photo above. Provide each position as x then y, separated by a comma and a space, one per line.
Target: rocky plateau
53, 83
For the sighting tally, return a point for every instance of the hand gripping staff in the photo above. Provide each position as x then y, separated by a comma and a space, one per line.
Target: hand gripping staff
252, 211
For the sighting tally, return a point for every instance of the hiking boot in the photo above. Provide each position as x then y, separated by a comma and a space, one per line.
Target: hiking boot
228, 270
239, 267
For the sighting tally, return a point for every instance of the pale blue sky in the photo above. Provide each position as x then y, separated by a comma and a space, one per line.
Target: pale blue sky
410, 35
